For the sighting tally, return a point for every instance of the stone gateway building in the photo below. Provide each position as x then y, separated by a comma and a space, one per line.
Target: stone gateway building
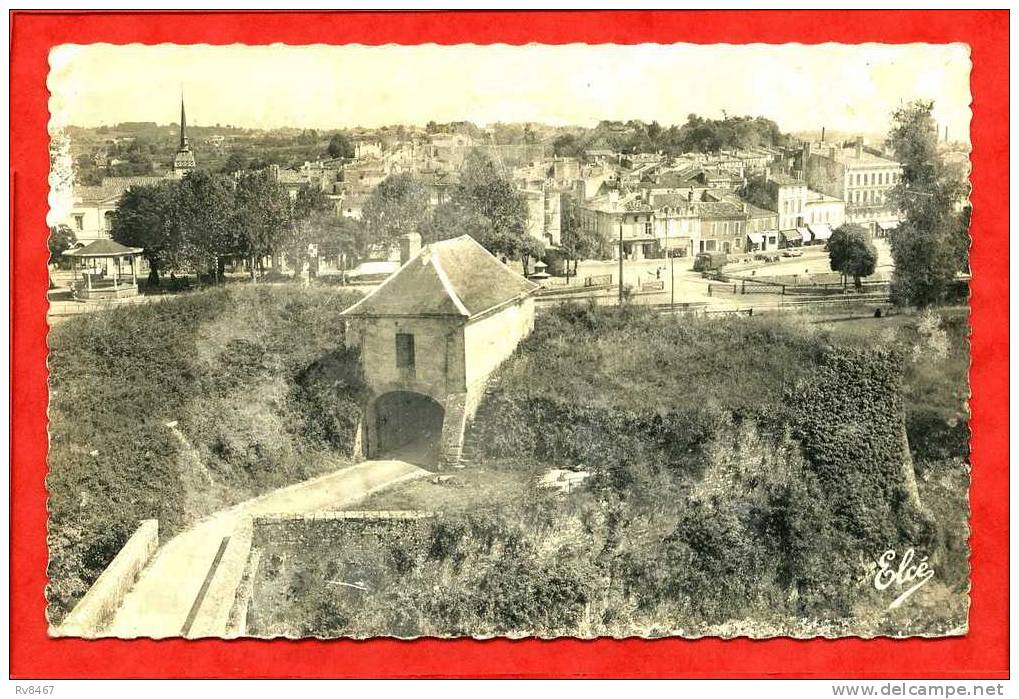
429, 337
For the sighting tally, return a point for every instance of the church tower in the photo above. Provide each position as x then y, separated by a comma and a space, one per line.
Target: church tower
184, 160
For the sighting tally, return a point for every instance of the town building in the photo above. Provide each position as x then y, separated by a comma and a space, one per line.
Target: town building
616, 217
677, 225
857, 176
544, 213
762, 229
91, 213
723, 226
787, 195
429, 338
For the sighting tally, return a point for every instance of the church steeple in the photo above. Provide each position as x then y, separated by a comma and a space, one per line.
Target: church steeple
183, 125
184, 161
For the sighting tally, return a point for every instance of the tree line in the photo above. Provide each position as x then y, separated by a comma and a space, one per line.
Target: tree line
697, 135
198, 223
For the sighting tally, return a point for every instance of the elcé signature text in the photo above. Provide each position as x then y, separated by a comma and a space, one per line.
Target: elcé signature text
907, 572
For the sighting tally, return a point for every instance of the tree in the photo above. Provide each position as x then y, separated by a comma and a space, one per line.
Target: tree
144, 219
931, 245
756, 192
205, 221
235, 162
61, 239
568, 145
335, 236
397, 206
575, 242
492, 208
312, 216
263, 216
445, 221
340, 146
851, 253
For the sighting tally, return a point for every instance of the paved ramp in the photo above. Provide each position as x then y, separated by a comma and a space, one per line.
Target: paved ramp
188, 587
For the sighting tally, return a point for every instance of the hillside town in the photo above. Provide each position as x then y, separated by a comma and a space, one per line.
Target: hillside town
760, 202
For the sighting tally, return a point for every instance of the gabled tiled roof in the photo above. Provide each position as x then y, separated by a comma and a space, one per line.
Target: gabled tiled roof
718, 209
113, 188
456, 277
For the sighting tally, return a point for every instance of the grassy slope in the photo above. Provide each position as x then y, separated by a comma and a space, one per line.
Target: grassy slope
610, 545
228, 366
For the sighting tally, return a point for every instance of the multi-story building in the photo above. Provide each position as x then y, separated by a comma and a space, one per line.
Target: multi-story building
677, 224
618, 217
788, 195
857, 176
762, 229
723, 227
544, 213
819, 208
91, 214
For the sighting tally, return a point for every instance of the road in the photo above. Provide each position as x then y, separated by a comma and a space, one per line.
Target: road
188, 587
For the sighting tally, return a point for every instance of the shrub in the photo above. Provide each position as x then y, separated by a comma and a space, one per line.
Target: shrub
224, 363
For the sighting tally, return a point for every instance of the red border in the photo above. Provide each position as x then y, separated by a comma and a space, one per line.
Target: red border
983, 653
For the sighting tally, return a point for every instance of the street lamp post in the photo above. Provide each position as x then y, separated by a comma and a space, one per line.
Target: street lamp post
620, 260
672, 280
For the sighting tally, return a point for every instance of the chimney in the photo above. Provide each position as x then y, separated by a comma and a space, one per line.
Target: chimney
859, 146
822, 134
410, 246
946, 134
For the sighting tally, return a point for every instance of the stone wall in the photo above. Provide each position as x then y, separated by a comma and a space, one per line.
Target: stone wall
438, 354
299, 531
96, 608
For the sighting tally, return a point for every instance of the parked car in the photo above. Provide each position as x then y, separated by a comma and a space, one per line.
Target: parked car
792, 252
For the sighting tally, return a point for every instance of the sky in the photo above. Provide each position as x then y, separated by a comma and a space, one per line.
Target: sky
846, 88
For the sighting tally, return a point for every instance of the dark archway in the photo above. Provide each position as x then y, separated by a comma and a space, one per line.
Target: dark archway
407, 426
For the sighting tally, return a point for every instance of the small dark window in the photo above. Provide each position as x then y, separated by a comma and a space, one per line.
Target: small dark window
404, 351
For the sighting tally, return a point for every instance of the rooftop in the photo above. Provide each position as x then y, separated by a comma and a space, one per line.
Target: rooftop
113, 188
782, 179
456, 277
865, 159
102, 248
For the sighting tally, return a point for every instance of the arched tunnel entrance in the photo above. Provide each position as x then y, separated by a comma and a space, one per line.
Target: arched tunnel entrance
408, 426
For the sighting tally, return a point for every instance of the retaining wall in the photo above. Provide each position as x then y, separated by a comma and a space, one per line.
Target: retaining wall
96, 608
299, 530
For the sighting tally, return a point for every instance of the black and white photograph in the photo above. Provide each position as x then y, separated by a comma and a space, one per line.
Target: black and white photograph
531, 341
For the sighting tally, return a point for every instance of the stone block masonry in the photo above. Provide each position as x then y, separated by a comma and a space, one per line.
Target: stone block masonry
270, 531
453, 425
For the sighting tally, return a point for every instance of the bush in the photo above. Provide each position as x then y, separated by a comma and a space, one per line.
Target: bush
230, 366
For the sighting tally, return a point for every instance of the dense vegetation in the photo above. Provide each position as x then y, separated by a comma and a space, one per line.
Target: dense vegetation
746, 476
256, 379
697, 135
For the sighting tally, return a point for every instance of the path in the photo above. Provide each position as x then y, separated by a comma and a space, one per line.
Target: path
188, 587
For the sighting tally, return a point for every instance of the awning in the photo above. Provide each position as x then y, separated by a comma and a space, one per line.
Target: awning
821, 231
756, 238
805, 234
888, 225
792, 235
